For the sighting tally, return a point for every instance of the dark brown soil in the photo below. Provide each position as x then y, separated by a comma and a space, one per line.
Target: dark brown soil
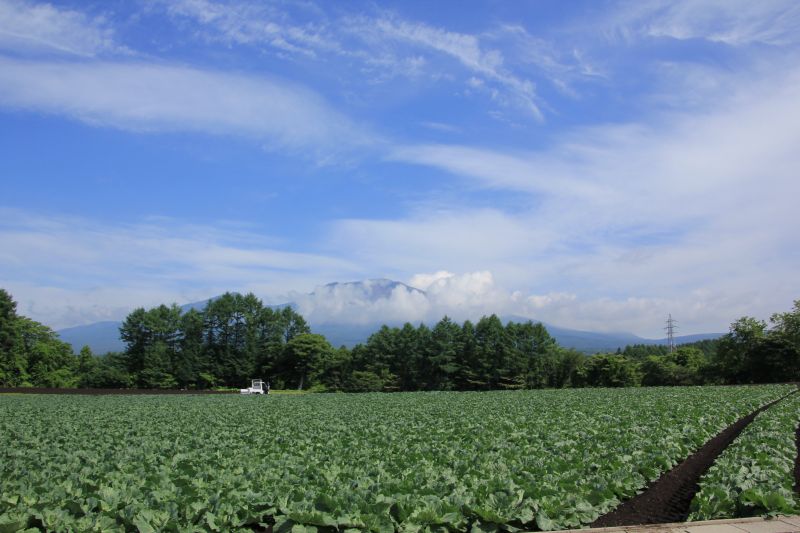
797, 460
103, 392
668, 498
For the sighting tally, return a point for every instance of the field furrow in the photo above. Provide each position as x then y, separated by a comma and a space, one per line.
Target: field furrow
755, 475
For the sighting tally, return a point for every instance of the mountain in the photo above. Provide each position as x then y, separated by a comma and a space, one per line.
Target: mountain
347, 334
684, 339
103, 337
197, 306
592, 342
370, 290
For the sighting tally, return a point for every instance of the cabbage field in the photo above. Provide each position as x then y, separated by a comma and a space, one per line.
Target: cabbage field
441, 461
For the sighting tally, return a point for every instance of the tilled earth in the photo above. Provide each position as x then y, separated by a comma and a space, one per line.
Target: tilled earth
103, 392
668, 498
797, 461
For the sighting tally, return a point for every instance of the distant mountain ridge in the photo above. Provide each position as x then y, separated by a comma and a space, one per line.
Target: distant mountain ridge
103, 337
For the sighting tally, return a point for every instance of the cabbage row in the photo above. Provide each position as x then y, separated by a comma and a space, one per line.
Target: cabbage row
484, 461
755, 474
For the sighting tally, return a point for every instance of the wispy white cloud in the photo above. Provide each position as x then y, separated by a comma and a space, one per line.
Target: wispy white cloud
383, 43
677, 156
732, 22
251, 23
466, 49
157, 98
40, 27
494, 169
564, 65
456, 240
510, 62
441, 126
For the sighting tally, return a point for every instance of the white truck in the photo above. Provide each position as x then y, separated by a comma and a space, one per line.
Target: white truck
257, 386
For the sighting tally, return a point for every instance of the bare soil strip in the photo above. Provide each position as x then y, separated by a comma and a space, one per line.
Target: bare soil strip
104, 392
797, 460
668, 498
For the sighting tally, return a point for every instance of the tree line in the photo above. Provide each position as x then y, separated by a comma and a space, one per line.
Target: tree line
235, 338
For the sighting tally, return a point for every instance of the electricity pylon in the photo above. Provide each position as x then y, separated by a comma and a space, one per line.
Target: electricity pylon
671, 327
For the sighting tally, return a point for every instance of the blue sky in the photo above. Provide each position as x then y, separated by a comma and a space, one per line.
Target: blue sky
591, 164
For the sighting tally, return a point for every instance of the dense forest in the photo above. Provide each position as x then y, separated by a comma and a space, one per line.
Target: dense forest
235, 337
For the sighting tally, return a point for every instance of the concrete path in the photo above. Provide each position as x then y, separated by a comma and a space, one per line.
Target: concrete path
781, 524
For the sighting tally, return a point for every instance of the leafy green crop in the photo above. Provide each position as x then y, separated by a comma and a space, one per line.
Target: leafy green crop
483, 461
755, 474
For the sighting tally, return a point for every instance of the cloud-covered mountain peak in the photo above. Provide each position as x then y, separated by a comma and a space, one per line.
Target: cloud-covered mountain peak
370, 290
363, 302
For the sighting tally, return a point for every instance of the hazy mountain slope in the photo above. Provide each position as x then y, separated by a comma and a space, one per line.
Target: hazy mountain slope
101, 337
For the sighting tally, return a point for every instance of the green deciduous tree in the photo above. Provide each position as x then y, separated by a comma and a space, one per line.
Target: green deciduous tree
611, 370
50, 361
306, 354
13, 364
787, 326
333, 371
735, 347
31, 354
108, 372
156, 373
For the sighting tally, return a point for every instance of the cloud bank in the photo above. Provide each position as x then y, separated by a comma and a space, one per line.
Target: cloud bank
471, 295
67, 271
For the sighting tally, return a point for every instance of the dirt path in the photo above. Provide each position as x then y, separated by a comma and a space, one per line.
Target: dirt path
797, 460
668, 498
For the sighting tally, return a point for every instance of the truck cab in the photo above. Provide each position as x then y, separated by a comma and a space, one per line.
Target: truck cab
257, 386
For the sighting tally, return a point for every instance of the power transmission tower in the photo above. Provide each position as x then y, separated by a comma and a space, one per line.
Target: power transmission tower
671, 327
